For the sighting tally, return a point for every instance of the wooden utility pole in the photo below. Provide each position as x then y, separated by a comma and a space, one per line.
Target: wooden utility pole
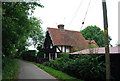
107, 56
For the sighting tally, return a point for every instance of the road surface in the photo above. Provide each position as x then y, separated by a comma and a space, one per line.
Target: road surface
30, 71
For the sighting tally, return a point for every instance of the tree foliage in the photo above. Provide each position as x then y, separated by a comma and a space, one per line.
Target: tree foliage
117, 44
18, 25
85, 66
96, 34
40, 53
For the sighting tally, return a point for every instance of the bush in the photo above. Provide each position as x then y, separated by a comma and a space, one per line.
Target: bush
59, 63
29, 55
58, 74
40, 55
86, 66
10, 68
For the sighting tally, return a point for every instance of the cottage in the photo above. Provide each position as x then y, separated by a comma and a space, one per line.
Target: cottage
92, 43
59, 40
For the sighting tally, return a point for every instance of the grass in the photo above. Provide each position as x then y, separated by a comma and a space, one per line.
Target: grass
58, 74
10, 69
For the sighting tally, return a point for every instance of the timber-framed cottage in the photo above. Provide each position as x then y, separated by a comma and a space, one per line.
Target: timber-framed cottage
59, 40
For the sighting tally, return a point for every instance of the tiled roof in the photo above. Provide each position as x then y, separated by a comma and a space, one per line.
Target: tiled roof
92, 42
101, 50
68, 38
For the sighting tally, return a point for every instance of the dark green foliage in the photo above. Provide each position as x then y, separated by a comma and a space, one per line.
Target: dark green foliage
58, 74
29, 55
10, 68
96, 34
18, 25
40, 54
118, 45
59, 63
33, 56
84, 67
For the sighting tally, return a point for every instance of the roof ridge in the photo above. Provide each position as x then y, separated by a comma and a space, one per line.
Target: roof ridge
68, 37
64, 29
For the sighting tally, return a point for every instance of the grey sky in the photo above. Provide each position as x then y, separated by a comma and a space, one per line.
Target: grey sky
71, 13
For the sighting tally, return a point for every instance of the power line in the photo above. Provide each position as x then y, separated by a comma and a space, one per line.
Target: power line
85, 15
76, 12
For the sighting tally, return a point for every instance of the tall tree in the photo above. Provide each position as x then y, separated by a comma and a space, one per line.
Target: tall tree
96, 34
18, 25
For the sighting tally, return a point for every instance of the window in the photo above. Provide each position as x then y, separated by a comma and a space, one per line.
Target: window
67, 49
51, 46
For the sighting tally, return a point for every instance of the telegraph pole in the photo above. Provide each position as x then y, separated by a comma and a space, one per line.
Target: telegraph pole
107, 56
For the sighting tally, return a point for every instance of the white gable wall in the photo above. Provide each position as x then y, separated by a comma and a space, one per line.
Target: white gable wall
58, 49
63, 48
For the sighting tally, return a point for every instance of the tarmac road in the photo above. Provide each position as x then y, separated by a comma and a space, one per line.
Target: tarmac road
30, 71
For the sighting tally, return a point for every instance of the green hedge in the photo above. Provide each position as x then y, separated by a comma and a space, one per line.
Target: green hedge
58, 74
59, 63
10, 68
86, 66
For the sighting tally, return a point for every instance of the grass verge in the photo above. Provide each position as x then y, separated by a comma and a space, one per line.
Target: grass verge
10, 69
58, 74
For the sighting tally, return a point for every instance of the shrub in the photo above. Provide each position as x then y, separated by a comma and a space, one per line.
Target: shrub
40, 55
10, 68
59, 63
86, 66
58, 74
29, 55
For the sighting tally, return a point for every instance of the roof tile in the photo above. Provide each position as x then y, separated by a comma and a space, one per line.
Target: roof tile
68, 38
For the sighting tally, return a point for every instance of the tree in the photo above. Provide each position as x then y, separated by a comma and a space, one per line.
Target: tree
18, 25
40, 53
117, 44
96, 34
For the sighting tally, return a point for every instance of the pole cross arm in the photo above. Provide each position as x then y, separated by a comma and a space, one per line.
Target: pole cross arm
103, 0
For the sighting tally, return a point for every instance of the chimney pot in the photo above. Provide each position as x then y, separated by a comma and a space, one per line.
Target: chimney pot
61, 27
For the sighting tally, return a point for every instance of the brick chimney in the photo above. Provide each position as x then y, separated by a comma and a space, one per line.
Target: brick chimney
61, 27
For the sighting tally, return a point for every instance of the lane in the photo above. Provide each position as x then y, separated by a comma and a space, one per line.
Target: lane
30, 71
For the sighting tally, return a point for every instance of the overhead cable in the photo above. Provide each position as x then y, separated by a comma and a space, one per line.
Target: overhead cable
76, 12
85, 15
